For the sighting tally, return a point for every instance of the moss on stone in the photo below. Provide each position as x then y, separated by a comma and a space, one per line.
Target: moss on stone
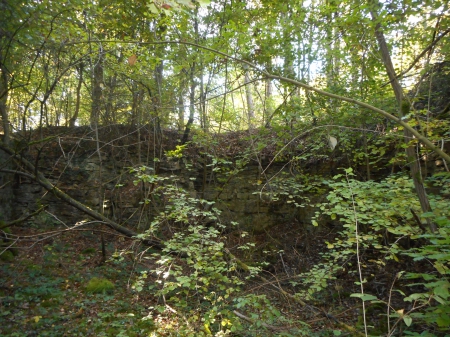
7, 256
99, 285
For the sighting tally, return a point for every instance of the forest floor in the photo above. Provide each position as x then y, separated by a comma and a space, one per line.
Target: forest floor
43, 290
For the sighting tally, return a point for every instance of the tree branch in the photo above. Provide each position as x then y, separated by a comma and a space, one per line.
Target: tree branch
425, 141
417, 59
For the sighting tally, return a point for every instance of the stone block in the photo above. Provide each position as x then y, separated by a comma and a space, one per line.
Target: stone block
260, 222
242, 196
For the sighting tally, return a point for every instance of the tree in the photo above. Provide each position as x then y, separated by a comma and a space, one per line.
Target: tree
404, 110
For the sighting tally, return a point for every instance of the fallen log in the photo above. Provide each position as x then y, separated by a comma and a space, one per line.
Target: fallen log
45, 183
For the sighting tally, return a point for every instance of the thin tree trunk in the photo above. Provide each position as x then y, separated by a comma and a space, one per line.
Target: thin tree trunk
180, 110
134, 104
224, 101
3, 106
404, 106
74, 117
249, 98
110, 112
190, 121
97, 84
268, 102
331, 61
366, 154
202, 102
137, 95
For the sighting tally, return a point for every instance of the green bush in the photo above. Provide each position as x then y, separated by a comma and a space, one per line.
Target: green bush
377, 216
201, 280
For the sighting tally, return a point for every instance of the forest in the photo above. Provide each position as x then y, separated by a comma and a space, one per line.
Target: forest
225, 168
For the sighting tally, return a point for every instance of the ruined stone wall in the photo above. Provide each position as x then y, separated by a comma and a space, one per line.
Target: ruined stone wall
240, 197
98, 175
6, 188
108, 187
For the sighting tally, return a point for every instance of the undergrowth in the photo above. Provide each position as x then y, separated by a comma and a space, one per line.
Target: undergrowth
195, 286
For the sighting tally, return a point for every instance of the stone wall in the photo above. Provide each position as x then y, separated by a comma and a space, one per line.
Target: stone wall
6, 188
98, 175
107, 186
248, 199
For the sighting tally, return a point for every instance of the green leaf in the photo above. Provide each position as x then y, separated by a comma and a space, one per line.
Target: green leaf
442, 290
441, 268
414, 297
407, 319
152, 8
443, 321
364, 297
440, 300
428, 215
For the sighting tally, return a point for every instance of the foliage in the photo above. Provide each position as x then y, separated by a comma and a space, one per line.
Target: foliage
436, 284
48, 51
177, 153
195, 277
379, 215
290, 189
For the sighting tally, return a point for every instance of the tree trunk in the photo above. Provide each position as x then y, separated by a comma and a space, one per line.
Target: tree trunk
268, 102
3, 105
97, 85
249, 98
403, 110
331, 59
74, 117
180, 109
190, 121
202, 101
110, 111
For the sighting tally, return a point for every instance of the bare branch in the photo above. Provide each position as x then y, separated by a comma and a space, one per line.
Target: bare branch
422, 54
